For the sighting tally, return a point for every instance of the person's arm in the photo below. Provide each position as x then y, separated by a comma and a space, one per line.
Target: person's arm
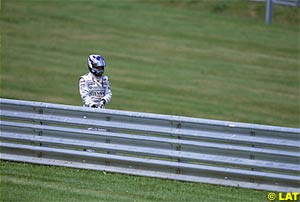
108, 93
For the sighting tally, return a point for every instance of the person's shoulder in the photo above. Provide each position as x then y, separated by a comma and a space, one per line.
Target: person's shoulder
85, 76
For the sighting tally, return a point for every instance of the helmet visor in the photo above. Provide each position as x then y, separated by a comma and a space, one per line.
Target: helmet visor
98, 71
98, 67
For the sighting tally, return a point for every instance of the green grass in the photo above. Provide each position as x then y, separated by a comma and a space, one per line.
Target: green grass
28, 182
203, 59
207, 59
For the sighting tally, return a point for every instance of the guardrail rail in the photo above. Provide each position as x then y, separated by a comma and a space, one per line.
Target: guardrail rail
171, 147
293, 3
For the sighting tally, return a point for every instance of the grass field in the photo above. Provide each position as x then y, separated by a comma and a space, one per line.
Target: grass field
25, 182
191, 59
207, 59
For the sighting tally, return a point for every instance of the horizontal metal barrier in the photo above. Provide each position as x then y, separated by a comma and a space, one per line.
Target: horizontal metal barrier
171, 147
293, 3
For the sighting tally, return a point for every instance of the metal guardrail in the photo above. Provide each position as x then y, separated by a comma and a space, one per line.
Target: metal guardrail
293, 3
269, 6
172, 147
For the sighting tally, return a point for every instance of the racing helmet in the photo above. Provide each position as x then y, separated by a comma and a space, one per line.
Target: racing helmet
96, 64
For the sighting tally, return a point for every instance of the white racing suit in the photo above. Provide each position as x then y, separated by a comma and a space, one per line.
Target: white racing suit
93, 89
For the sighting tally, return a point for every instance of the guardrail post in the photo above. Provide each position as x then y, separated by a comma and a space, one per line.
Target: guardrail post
268, 12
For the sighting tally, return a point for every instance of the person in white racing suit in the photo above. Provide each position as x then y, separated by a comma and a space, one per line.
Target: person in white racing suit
94, 87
